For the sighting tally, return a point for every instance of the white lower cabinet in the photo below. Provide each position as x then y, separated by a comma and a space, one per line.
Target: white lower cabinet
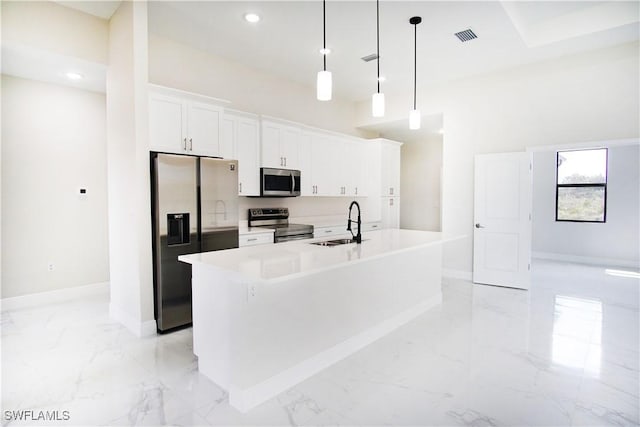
371, 226
331, 231
390, 212
254, 239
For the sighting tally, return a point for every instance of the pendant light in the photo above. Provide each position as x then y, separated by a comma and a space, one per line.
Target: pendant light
377, 101
324, 77
414, 115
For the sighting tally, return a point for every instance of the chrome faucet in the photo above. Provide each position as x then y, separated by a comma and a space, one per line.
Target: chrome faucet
358, 237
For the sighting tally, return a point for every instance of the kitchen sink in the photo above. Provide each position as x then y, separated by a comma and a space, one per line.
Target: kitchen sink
335, 242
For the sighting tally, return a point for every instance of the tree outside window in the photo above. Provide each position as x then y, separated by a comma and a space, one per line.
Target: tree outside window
581, 185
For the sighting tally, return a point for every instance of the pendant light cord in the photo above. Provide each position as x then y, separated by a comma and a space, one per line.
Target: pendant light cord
415, 62
324, 36
378, 39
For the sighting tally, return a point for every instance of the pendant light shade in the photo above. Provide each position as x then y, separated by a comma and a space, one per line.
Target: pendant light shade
377, 100
324, 82
414, 119
414, 115
377, 105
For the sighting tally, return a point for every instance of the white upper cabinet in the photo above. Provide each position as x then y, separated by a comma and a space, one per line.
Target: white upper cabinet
390, 168
203, 129
180, 124
324, 164
167, 124
240, 138
390, 212
280, 145
305, 161
355, 166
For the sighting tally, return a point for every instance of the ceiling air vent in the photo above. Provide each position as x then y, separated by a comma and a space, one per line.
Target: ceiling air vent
466, 35
369, 58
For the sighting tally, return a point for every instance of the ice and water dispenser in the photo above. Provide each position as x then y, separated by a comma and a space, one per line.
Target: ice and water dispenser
177, 229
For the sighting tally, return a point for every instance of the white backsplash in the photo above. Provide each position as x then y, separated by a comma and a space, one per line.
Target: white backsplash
311, 206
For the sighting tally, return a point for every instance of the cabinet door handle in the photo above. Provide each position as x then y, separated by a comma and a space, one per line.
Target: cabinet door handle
328, 231
185, 144
479, 226
390, 202
252, 239
391, 191
190, 144
240, 187
285, 161
356, 191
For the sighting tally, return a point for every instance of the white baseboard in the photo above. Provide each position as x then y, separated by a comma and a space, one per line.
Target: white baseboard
138, 328
457, 274
52, 297
609, 262
245, 399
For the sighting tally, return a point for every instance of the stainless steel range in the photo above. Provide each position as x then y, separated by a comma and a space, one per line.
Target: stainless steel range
278, 219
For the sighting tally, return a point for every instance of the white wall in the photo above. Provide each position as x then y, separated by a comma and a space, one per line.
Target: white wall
614, 242
54, 28
420, 183
179, 66
53, 143
309, 206
585, 97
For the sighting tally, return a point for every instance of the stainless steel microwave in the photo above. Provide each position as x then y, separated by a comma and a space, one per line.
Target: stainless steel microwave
279, 182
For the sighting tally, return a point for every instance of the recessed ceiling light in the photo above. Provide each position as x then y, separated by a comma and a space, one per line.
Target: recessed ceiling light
74, 76
325, 51
251, 17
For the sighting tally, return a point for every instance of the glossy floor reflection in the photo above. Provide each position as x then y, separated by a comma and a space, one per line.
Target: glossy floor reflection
564, 353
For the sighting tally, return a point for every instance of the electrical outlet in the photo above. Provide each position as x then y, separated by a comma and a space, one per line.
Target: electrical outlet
51, 266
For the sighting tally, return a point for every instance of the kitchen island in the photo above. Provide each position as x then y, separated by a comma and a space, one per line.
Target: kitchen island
267, 317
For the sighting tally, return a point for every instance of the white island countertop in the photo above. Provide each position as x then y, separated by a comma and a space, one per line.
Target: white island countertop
283, 261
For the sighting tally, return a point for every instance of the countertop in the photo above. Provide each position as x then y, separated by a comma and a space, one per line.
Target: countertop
272, 263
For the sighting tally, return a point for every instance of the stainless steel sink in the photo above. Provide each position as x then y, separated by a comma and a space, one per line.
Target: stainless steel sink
335, 242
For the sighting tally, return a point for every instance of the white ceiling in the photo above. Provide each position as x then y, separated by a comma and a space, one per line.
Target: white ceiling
101, 9
286, 41
46, 66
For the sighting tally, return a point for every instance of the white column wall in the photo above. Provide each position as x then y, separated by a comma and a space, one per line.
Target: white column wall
128, 170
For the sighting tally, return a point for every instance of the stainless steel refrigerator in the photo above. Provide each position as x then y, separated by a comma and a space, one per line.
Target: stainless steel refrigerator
194, 208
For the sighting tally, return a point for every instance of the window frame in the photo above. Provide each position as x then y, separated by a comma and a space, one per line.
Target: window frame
592, 185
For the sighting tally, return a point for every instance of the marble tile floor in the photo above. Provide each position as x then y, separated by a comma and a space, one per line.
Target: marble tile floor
564, 353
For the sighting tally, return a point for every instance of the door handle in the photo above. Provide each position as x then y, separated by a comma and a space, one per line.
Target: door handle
293, 183
478, 225
190, 144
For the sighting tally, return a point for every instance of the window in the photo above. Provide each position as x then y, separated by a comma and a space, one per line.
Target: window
581, 185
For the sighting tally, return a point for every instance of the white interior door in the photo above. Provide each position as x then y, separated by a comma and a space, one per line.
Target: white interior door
502, 220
